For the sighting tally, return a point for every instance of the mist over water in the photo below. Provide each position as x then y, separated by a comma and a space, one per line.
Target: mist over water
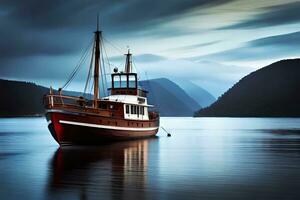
206, 158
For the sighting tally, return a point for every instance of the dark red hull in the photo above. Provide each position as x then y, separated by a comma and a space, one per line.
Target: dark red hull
80, 128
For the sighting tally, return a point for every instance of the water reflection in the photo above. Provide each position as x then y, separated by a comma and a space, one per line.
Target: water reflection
284, 142
117, 170
206, 158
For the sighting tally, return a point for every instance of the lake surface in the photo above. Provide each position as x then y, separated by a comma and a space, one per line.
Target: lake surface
206, 158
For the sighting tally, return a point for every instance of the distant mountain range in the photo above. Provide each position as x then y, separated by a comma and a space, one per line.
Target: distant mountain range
26, 99
272, 91
169, 98
200, 95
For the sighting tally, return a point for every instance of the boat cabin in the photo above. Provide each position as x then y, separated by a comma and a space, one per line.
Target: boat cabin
135, 103
126, 84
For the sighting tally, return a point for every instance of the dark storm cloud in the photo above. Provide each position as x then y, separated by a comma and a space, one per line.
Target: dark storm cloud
277, 47
52, 27
27, 43
77, 13
35, 34
271, 16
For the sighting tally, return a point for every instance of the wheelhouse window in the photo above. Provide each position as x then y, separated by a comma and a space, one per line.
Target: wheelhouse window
117, 81
132, 81
142, 110
124, 80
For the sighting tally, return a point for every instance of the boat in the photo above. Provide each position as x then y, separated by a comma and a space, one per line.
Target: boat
123, 114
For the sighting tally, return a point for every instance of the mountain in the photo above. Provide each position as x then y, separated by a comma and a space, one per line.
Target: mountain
272, 91
200, 95
169, 98
26, 99
21, 98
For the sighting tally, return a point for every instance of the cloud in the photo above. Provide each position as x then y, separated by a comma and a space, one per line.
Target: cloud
56, 14
286, 40
274, 47
271, 16
195, 46
143, 58
55, 27
26, 43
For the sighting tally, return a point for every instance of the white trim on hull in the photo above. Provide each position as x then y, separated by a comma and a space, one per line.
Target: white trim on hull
107, 127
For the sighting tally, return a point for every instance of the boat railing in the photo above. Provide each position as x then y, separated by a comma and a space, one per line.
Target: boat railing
53, 100
72, 103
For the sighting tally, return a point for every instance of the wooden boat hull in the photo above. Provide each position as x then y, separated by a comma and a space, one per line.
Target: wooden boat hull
75, 128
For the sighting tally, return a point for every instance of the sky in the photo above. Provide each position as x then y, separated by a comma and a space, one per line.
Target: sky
212, 43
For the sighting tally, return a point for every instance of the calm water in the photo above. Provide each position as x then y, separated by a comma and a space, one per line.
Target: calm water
206, 158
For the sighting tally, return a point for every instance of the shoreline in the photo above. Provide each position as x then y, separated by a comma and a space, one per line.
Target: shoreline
20, 116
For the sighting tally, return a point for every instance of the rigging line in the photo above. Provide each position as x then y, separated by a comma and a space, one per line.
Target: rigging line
71, 77
90, 72
134, 65
90, 69
77, 66
104, 80
88, 78
77, 71
110, 64
107, 58
101, 71
105, 74
105, 52
114, 46
92, 87
87, 83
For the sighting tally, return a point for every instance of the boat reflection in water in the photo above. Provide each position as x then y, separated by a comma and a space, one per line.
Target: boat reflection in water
112, 171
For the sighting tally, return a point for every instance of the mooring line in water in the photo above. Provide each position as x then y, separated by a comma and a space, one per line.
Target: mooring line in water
168, 134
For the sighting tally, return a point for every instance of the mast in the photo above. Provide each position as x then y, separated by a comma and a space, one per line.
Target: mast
128, 62
97, 64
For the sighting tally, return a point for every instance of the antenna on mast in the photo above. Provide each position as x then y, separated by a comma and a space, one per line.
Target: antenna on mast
97, 21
